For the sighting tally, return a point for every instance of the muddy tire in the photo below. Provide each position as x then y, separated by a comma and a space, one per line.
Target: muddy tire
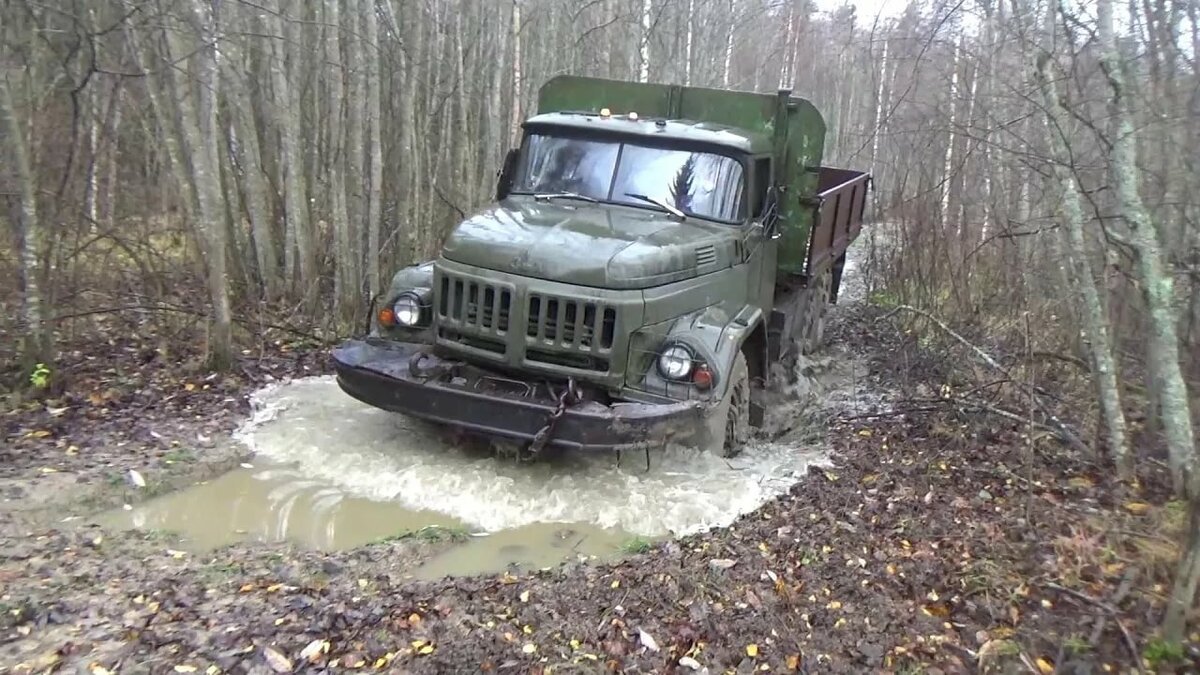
729, 422
813, 336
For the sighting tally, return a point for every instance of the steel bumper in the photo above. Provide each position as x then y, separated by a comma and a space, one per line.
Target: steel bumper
377, 373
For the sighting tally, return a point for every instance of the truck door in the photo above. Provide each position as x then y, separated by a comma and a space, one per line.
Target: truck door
761, 238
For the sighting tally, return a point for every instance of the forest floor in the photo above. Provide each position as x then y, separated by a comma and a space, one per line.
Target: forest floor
936, 541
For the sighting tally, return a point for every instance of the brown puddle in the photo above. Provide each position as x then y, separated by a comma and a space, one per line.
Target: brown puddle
272, 503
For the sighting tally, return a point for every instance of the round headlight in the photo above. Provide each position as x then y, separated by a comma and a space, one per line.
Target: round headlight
675, 362
407, 310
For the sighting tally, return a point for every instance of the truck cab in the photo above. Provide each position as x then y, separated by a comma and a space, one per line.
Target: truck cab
651, 251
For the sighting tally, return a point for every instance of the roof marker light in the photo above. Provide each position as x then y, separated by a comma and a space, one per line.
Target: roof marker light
633, 116
605, 112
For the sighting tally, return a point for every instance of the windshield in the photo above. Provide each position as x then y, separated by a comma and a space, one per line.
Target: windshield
702, 184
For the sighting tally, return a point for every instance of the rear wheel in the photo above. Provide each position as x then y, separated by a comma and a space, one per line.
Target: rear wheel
814, 316
729, 423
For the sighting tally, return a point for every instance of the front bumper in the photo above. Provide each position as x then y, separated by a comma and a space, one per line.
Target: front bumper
377, 373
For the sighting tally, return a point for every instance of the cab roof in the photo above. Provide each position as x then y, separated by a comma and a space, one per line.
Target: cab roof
707, 133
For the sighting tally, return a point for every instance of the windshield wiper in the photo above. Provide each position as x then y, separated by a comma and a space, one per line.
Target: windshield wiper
659, 203
564, 195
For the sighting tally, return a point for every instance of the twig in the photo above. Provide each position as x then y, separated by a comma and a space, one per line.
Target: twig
1063, 432
1122, 591
1113, 612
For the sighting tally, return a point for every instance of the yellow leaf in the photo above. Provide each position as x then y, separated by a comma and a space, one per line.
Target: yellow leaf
417, 644
246, 588
575, 644
274, 587
1081, 482
529, 648
47, 469
414, 619
751, 650
189, 386
1045, 666
865, 433
524, 596
616, 583
793, 662
1137, 508
427, 649
184, 668
212, 670
40, 433
527, 629
834, 605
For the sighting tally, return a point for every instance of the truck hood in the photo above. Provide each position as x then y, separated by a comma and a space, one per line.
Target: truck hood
599, 245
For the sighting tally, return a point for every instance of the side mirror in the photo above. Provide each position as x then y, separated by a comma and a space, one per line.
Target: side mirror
507, 172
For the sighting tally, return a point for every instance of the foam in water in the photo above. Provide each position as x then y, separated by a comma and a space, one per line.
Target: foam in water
357, 450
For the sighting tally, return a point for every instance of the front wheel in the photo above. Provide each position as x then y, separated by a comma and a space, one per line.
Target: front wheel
729, 422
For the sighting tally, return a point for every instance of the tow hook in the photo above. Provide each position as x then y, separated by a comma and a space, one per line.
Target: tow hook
569, 397
417, 370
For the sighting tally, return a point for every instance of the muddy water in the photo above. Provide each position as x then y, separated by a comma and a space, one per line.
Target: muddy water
330, 472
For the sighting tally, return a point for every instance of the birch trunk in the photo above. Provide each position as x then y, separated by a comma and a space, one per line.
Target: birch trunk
343, 284
354, 152
515, 120
29, 230
253, 179
1094, 314
644, 44
687, 53
299, 262
1162, 343
374, 148
729, 44
198, 121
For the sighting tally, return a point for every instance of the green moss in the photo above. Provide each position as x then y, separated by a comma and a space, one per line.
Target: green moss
1159, 652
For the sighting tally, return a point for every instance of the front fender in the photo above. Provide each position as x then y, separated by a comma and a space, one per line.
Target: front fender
414, 278
713, 334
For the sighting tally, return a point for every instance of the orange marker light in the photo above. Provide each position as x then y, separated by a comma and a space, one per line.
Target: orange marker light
703, 377
387, 317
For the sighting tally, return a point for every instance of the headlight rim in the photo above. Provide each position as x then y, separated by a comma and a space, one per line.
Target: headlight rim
417, 306
689, 359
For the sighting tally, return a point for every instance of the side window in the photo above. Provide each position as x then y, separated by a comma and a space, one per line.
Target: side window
762, 178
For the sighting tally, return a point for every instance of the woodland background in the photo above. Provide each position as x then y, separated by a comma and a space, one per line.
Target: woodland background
194, 171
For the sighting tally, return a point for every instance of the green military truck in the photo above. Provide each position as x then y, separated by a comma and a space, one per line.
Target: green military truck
651, 252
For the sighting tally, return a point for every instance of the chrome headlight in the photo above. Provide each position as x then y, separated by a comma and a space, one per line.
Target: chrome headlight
407, 310
676, 362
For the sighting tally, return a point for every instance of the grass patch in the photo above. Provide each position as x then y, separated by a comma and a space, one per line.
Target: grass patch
1157, 652
636, 545
179, 455
429, 534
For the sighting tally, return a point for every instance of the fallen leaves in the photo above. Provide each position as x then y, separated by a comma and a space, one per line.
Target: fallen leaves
647, 640
752, 650
1136, 508
276, 661
315, 650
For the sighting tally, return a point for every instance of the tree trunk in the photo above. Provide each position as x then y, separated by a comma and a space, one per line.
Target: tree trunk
1162, 343
200, 133
515, 121
29, 232
1095, 317
299, 262
356, 189
374, 148
253, 179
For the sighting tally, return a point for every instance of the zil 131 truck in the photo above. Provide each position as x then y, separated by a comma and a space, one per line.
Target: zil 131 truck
651, 252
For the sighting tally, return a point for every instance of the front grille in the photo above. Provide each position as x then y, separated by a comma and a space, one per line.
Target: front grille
474, 304
570, 324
